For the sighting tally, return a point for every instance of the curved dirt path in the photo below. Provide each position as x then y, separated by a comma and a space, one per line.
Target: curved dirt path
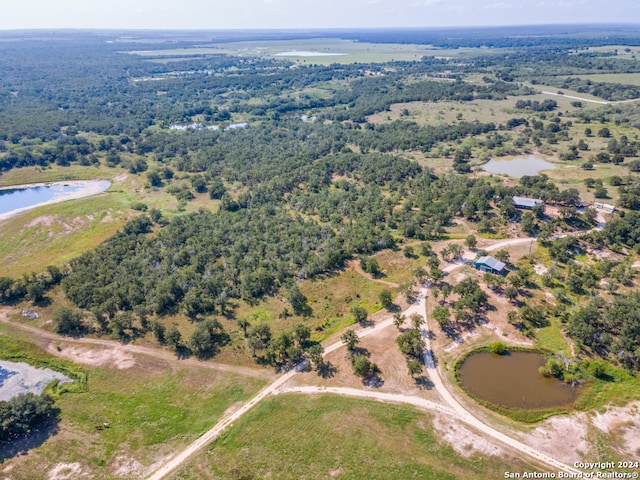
355, 265
44, 338
373, 395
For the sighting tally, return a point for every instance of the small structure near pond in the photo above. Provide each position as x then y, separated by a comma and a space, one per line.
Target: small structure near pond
489, 264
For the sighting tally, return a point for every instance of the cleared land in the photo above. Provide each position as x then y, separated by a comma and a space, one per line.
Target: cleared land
152, 410
484, 111
337, 437
621, 78
344, 51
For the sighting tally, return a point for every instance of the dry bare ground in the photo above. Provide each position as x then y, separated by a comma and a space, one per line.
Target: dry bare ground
564, 437
623, 423
68, 471
463, 440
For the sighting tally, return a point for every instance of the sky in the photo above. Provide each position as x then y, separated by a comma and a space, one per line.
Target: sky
292, 14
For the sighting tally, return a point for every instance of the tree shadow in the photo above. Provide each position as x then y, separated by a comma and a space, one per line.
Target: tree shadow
326, 370
183, 352
366, 323
35, 439
374, 381
358, 351
423, 383
393, 308
43, 302
229, 310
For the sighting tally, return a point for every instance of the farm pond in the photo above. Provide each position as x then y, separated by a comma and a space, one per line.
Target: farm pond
18, 377
518, 167
17, 199
512, 380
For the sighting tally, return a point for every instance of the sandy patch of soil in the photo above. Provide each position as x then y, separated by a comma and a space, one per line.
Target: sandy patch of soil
336, 473
463, 440
460, 340
48, 221
383, 351
540, 269
45, 220
562, 437
121, 177
624, 423
95, 357
127, 467
68, 471
552, 211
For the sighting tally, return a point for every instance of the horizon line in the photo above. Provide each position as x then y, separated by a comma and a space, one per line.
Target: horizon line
312, 29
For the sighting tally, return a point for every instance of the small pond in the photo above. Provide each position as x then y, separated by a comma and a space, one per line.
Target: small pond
518, 167
17, 378
303, 53
513, 381
18, 199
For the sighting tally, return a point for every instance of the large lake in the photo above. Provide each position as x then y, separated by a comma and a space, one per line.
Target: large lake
513, 381
18, 199
518, 167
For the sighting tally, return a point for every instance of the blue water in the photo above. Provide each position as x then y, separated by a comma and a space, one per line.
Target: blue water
518, 167
17, 198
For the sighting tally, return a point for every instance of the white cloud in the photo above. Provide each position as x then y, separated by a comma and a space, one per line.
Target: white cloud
499, 5
426, 3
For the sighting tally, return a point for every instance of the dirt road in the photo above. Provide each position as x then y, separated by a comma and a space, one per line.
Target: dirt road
222, 425
599, 102
44, 338
355, 265
373, 395
461, 412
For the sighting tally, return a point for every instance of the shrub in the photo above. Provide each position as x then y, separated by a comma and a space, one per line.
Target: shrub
498, 348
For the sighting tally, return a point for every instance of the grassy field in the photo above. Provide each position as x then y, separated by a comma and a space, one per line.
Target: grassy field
622, 78
334, 51
292, 436
617, 388
54, 234
484, 111
551, 337
153, 410
620, 49
20, 176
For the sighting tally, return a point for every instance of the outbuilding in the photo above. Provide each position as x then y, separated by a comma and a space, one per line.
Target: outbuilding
489, 264
605, 206
526, 203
